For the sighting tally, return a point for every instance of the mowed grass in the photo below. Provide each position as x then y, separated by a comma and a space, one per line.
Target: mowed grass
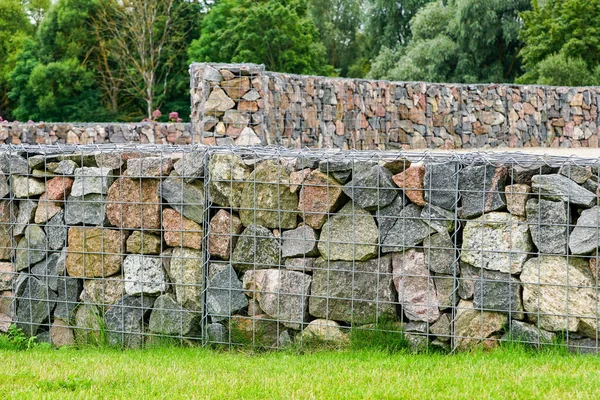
172, 373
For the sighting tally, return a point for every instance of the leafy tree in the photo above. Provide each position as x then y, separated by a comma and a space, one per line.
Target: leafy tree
277, 33
561, 37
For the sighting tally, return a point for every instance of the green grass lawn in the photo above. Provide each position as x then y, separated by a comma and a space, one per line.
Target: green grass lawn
170, 372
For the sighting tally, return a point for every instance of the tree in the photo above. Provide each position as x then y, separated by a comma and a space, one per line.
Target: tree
560, 35
277, 33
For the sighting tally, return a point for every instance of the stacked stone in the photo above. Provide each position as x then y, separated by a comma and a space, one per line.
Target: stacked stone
96, 133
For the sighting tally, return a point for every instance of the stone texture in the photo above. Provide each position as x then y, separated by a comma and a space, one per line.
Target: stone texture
88, 210
186, 198
440, 253
61, 334
408, 231
445, 287
67, 299
224, 231
560, 188
49, 270
190, 166
528, 334
67, 167
283, 295
25, 213
576, 173
442, 328
437, 218
299, 242
216, 333
473, 326
87, 325
58, 188
259, 331
320, 195
388, 216
24, 187
517, 196
34, 305
482, 190
185, 273
415, 286
439, 184
585, 238
6, 310
371, 188
257, 248
180, 231
104, 292
148, 167
218, 101
7, 219
125, 320
224, 292
56, 231
144, 274
355, 292
496, 241
267, 200
499, 292
32, 247
134, 204
140, 242
548, 223
524, 173
228, 173
7, 276
325, 330
555, 286
349, 235
11, 163
169, 318
237, 87
411, 182
94, 252
90, 180
300, 264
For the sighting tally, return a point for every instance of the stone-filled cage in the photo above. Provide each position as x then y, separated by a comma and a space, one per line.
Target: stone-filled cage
270, 247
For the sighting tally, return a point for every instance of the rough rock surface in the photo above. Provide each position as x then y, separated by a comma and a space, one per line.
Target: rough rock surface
325, 330
320, 195
140, 242
134, 204
439, 184
529, 334
67, 299
517, 196
227, 176
125, 320
225, 229
498, 291
94, 252
91, 180
61, 334
32, 247
190, 166
548, 223
408, 231
186, 198
371, 188
224, 292
411, 182
24, 187
149, 167
56, 231
143, 274
474, 326
50, 269
24, 213
585, 237
560, 188
169, 318
185, 272
440, 253
180, 231
576, 173
437, 218
299, 242
482, 189
34, 305
104, 292
257, 248
89, 210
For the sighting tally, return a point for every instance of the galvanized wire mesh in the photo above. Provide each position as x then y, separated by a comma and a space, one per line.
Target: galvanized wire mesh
273, 247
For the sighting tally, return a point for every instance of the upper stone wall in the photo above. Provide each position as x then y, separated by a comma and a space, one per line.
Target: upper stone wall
243, 104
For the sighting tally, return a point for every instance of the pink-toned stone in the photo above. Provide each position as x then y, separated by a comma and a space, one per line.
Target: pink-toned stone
411, 181
319, 196
180, 231
224, 231
94, 252
58, 188
6, 310
516, 198
61, 334
297, 178
236, 88
134, 204
528, 108
7, 275
6, 245
417, 116
46, 210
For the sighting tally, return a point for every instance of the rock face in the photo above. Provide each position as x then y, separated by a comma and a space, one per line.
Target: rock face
32, 247
319, 196
548, 223
340, 235
125, 320
497, 291
67, 300
24, 213
143, 243
24, 187
371, 188
283, 295
257, 248
555, 286
224, 231
529, 334
415, 287
90, 180
104, 292
148, 167
438, 219
575, 173
560, 188
267, 199
326, 330
496, 241
89, 210
411, 182
186, 198
7, 229
585, 238
439, 184
355, 292
408, 231
169, 318
473, 326
56, 231
185, 272
218, 101
94, 252
299, 242
517, 196
7, 275
224, 292
61, 334
180, 231
227, 176
34, 305
144, 274
191, 166
49, 270
134, 204
440, 253
482, 189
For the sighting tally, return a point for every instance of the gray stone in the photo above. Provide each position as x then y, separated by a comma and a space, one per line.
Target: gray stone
66, 167
224, 292
191, 166
496, 241
408, 231
186, 198
336, 165
299, 242
69, 290
211, 74
442, 329
281, 294
34, 305
144, 274
4, 188
499, 292
49, 270
560, 188
474, 326
357, 292
466, 281
25, 216
324, 330
218, 101
24, 187
585, 237
148, 167
439, 184
256, 248
32, 247
56, 231
575, 173
528, 334
437, 218
83, 159
89, 210
549, 225
13, 164
523, 173
169, 318
387, 216
185, 272
372, 188
216, 333
446, 291
482, 190
111, 161
228, 173
87, 325
440, 253
300, 264
124, 321
90, 180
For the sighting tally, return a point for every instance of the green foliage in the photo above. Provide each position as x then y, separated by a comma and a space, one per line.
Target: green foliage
562, 38
385, 336
277, 33
18, 340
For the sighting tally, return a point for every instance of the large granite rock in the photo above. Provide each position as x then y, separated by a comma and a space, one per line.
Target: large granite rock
134, 204
556, 287
496, 241
371, 188
7, 276
88, 210
94, 252
24, 213
411, 182
218, 101
439, 184
181, 232
283, 295
257, 248
125, 320
228, 173
186, 198
387, 216
528, 334
320, 195
482, 189
325, 330
185, 273
440, 253
499, 292
191, 166
517, 196
299, 242
585, 238
549, 225
12, 163
103, 292
523, 174
224, 292
61, 334
67, 298
144, 274
8, 212
50, 269
415, 286
438, 219
88, 320
473, 326
24, 187
408, 231
90, 180
560, 188
267, 200
357, 292
4, 187
148, 167
224, 231
169, 318
140, 242
576, 173
34, 305
349, 235
56, 231
32, 248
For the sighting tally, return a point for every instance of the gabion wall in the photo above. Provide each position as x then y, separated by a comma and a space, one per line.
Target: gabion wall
268, 246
